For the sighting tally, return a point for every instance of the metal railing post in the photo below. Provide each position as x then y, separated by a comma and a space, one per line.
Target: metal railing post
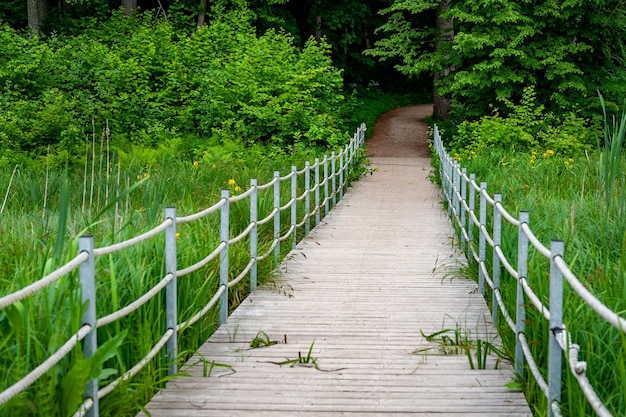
463, 212
497, 240
317, 191
472, 206
224, 237
326, 196
307, 197
520, 312
87, 274
481, 239
457, 190
171, 306
341, 168
277, 218
294, 205
254, 198
555, 357
334, 179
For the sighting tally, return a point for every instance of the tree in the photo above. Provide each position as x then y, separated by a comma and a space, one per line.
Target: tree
129, 6
566, 49
36, 14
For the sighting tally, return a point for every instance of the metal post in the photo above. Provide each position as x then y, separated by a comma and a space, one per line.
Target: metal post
457, 190
334, 179
254, 198
307, 197
277, 218
481, 241
520, 312
171, 306
224, 237
294, 205
317, 191
341, 168
326, 196
497, 240
463, 211
472, 206
555, 357
87, 274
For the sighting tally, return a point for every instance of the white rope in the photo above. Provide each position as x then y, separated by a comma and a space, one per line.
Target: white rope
45, 366
506, 215
243, 273
535, 242
506, 263
31, 289
532, 365
578, 370
269, 251
483, 267
603, 311
269, 217
505, 313
534, 299
107, 250
286, 177
123, 312
287, 234
242, 234
288, 204
239, 197
487, 197
103, 392
268, 185
202, 262
203, 213
485, 233
202, 312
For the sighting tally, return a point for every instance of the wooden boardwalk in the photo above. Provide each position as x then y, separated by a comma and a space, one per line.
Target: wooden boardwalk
358, 291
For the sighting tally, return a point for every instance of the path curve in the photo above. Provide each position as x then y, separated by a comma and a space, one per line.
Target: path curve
401, 133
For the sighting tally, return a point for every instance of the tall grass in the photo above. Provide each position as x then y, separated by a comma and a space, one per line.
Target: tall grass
115, 196
581, 201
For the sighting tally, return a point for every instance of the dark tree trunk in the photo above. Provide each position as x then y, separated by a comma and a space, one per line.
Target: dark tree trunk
36, 14
129, 6
202, 13
445, 37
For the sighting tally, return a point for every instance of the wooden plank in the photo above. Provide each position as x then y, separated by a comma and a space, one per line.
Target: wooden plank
356, 293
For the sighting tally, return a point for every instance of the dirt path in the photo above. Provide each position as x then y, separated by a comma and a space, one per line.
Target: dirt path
401, 133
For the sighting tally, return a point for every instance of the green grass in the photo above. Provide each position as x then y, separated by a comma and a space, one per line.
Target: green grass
568, 199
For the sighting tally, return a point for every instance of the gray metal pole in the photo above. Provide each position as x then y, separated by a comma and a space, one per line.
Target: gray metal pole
555, 355
326, 196
341, 169
307, 197
520, 312
334, 178
317, 191
472, 206
497, 240
224, 267
463, 211
294, 205
87, 274
254, 198
277, 217
481, 240
171, 308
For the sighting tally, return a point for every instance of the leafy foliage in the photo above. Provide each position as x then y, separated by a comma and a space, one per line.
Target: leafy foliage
221, 83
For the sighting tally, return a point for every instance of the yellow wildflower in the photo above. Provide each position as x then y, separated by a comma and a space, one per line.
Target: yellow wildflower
177, 235
195, 164
231, 182
237, 188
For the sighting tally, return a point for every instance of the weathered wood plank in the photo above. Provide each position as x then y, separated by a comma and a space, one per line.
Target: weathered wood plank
357, 293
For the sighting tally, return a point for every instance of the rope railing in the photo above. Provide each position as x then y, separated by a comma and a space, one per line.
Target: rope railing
324, 182
455, 184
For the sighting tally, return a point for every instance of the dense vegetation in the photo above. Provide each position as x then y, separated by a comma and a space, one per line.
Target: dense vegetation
109, 113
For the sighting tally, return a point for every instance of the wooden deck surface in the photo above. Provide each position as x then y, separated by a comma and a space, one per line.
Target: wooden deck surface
358, 290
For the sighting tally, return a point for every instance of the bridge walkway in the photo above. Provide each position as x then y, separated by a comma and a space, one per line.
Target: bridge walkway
354, 301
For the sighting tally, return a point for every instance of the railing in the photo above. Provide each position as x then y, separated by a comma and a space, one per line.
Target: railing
331, 187
461, 207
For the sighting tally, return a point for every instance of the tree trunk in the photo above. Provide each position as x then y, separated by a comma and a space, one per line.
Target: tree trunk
317, 19
129, 6
36, 14
445, 37
202, 13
